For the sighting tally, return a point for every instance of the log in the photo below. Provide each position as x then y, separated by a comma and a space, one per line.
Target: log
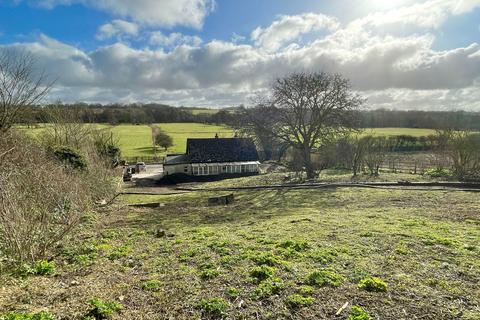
221, 200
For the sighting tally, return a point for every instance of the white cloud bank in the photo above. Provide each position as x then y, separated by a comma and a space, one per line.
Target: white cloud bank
392, 71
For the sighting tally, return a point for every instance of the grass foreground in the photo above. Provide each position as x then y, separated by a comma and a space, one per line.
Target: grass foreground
286, 254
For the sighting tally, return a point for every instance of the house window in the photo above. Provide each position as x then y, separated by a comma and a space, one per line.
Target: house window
195, 170
185, 169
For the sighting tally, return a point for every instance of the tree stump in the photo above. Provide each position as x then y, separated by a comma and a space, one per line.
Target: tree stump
221, 200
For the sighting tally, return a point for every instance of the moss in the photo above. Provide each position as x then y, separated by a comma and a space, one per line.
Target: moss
296, 301
306, 290
325, 278
373, 284
118, 253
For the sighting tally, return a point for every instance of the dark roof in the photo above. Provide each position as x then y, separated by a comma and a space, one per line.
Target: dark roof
221, 150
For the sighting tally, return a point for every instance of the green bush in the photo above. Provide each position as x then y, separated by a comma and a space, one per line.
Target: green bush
43, 315
325, 278
373, 284
262, 272
268, 288
358, 313
214, 306
438, 173
151, 285
102, 310
296, 301
70, 157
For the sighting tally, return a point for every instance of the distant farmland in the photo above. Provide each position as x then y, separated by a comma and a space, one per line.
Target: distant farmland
136, 141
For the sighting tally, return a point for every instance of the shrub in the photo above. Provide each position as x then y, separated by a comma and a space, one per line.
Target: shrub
70, 157
358, 313
372, 284
262, 272
102, 310
43, 315
296, 301
438, 173
268, 288
324, 278
38, 208
214, 306
151, 285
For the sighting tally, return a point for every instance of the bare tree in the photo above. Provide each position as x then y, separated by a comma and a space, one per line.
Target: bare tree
21, 85
258, 122
313, 109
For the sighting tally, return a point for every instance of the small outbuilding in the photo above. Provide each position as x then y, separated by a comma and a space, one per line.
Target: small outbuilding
214, 157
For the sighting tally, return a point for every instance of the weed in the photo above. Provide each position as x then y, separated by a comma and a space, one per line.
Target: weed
208, 271
323, 256
220, 247
268, 259
232, 292
151, 285
41, 267
216, 307
268, 288
43, 315
358, 313
296, 245
373, 284
118, 253
187, 255
296, 301
262, 272
306, 290
436, 239
325, 278
102, 310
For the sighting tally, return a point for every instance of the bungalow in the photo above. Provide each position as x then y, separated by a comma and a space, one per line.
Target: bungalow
214, 157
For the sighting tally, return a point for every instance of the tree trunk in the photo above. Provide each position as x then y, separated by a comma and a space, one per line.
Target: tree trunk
307, 161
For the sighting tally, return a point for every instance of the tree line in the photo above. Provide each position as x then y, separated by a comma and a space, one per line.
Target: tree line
161, 113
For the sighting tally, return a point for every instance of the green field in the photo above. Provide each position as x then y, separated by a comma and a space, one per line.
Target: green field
136, 141
272, 254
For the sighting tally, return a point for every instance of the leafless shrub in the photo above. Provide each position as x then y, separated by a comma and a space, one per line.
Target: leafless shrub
40, 201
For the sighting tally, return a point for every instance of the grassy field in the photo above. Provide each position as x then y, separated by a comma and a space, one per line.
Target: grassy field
135, 140
298, 254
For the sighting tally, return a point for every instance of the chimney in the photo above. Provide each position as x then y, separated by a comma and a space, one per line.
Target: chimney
216, 135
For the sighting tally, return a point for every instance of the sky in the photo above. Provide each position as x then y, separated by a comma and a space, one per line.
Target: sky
398, 54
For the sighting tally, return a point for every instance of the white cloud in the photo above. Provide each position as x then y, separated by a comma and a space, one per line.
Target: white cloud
393, 71
165, 13
289, 28
173, 39
117, 28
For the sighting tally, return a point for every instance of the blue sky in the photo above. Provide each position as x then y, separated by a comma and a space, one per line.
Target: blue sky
398, 53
